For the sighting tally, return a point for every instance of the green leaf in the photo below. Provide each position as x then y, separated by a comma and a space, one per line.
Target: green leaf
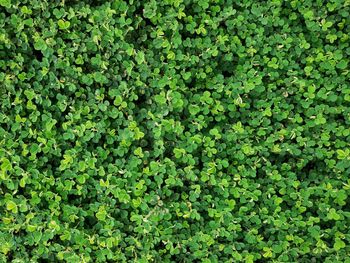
194, 109
171, 55
150, 9
343, 154
118, 100
267, 252
333, 215
63, 24
50, 124
40, 44
160, 98
138, 152
342, 64
140, 57
5, 165
12, 206
5, 3
99, 77
101, 214
214, 132
186, 75
339, 244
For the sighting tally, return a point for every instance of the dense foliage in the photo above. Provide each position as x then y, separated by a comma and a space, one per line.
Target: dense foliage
174, 131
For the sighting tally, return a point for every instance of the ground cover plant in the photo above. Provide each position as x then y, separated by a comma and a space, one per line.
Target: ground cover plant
174, 131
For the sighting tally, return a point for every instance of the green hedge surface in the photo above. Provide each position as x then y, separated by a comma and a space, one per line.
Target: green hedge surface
174, 131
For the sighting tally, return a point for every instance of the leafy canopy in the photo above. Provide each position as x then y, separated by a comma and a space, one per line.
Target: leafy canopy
174, 131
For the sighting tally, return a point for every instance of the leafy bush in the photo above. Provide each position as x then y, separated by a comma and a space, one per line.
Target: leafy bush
175, 131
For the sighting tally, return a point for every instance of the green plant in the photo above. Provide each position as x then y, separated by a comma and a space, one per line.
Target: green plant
174, 131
